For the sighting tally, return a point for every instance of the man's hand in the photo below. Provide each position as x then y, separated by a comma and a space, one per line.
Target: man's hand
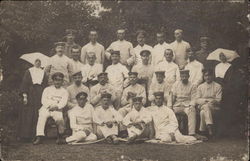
109, 124
53, 108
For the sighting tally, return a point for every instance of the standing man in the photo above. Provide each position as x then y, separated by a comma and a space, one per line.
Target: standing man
54, 99
101, 88
159, 49
93, 46
204, 51
70, 42
124, 47
208, 100
184, 94
172, 72
195, 68
180, 47
140, 35
117, 73
75, 64
133, 90
90, 70
59, 63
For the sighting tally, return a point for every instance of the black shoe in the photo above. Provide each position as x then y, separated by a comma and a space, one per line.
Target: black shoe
38, 140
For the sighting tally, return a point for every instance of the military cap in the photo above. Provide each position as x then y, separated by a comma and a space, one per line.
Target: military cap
158, 94
115, 53
145, 53
160, 72
57, 74
70, 32
160, 34
80, 94
133, 73
184, 71
59, 44
137, 99
93, 32
120, 31
178, 31
102, 74
78, 72
75, 48
106, 95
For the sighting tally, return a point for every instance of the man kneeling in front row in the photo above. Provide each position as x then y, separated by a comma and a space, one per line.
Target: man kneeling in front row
81, 121
54, 99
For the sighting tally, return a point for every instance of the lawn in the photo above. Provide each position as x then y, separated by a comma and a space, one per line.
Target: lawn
231, 148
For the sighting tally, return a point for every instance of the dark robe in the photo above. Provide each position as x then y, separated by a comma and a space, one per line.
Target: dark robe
28, 114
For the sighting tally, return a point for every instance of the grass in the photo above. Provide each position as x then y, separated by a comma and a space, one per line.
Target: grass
231, 148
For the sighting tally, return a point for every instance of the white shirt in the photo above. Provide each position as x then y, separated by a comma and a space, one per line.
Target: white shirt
97, 48
75, 66
81, 118
37, 75
117, 73
158, 53
91, 72
60, 64
126, 49
53, 96
195, 71
180, 49
135, 116
138, 50
101, 116
221, 69
164, 120
172, 72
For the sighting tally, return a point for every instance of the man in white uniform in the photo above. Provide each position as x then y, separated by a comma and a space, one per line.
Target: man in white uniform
159, 49
81, 120
75, 64
195, 68
208, 100
184, 94
180, 47
54, 99
117, 73
160, 86
136, 120
125, 48
59, 63
107, 119
165, 122
90, 70
101, 88
141, 34
133, 90
93, 46
172, 72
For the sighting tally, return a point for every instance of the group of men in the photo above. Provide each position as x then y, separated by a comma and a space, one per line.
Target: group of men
140, 93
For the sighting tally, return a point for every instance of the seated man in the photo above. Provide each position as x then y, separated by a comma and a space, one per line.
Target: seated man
54, 99
107, 119
81, 120
184, 94
160, 86
165, 122
208, 100
90, 70
134, 89
136, 120
101, 88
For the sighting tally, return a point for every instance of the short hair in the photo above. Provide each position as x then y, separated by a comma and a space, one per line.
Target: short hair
145, 52
178, 30
184, 72
160, 33
57, 74
141, 32
168, 49
137, 99
102, 74
38, 60
158, 94
133, 73
106, 95
208, 71
160, 73
91, 53
77, 73
75, 47
81, 94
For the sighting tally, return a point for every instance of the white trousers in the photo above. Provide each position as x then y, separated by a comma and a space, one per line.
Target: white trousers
105, 131
191, 114
206, 116
44, 114
132, 131
179, 138
81, 136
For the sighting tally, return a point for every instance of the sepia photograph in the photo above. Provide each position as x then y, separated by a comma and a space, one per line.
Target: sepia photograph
121, 80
